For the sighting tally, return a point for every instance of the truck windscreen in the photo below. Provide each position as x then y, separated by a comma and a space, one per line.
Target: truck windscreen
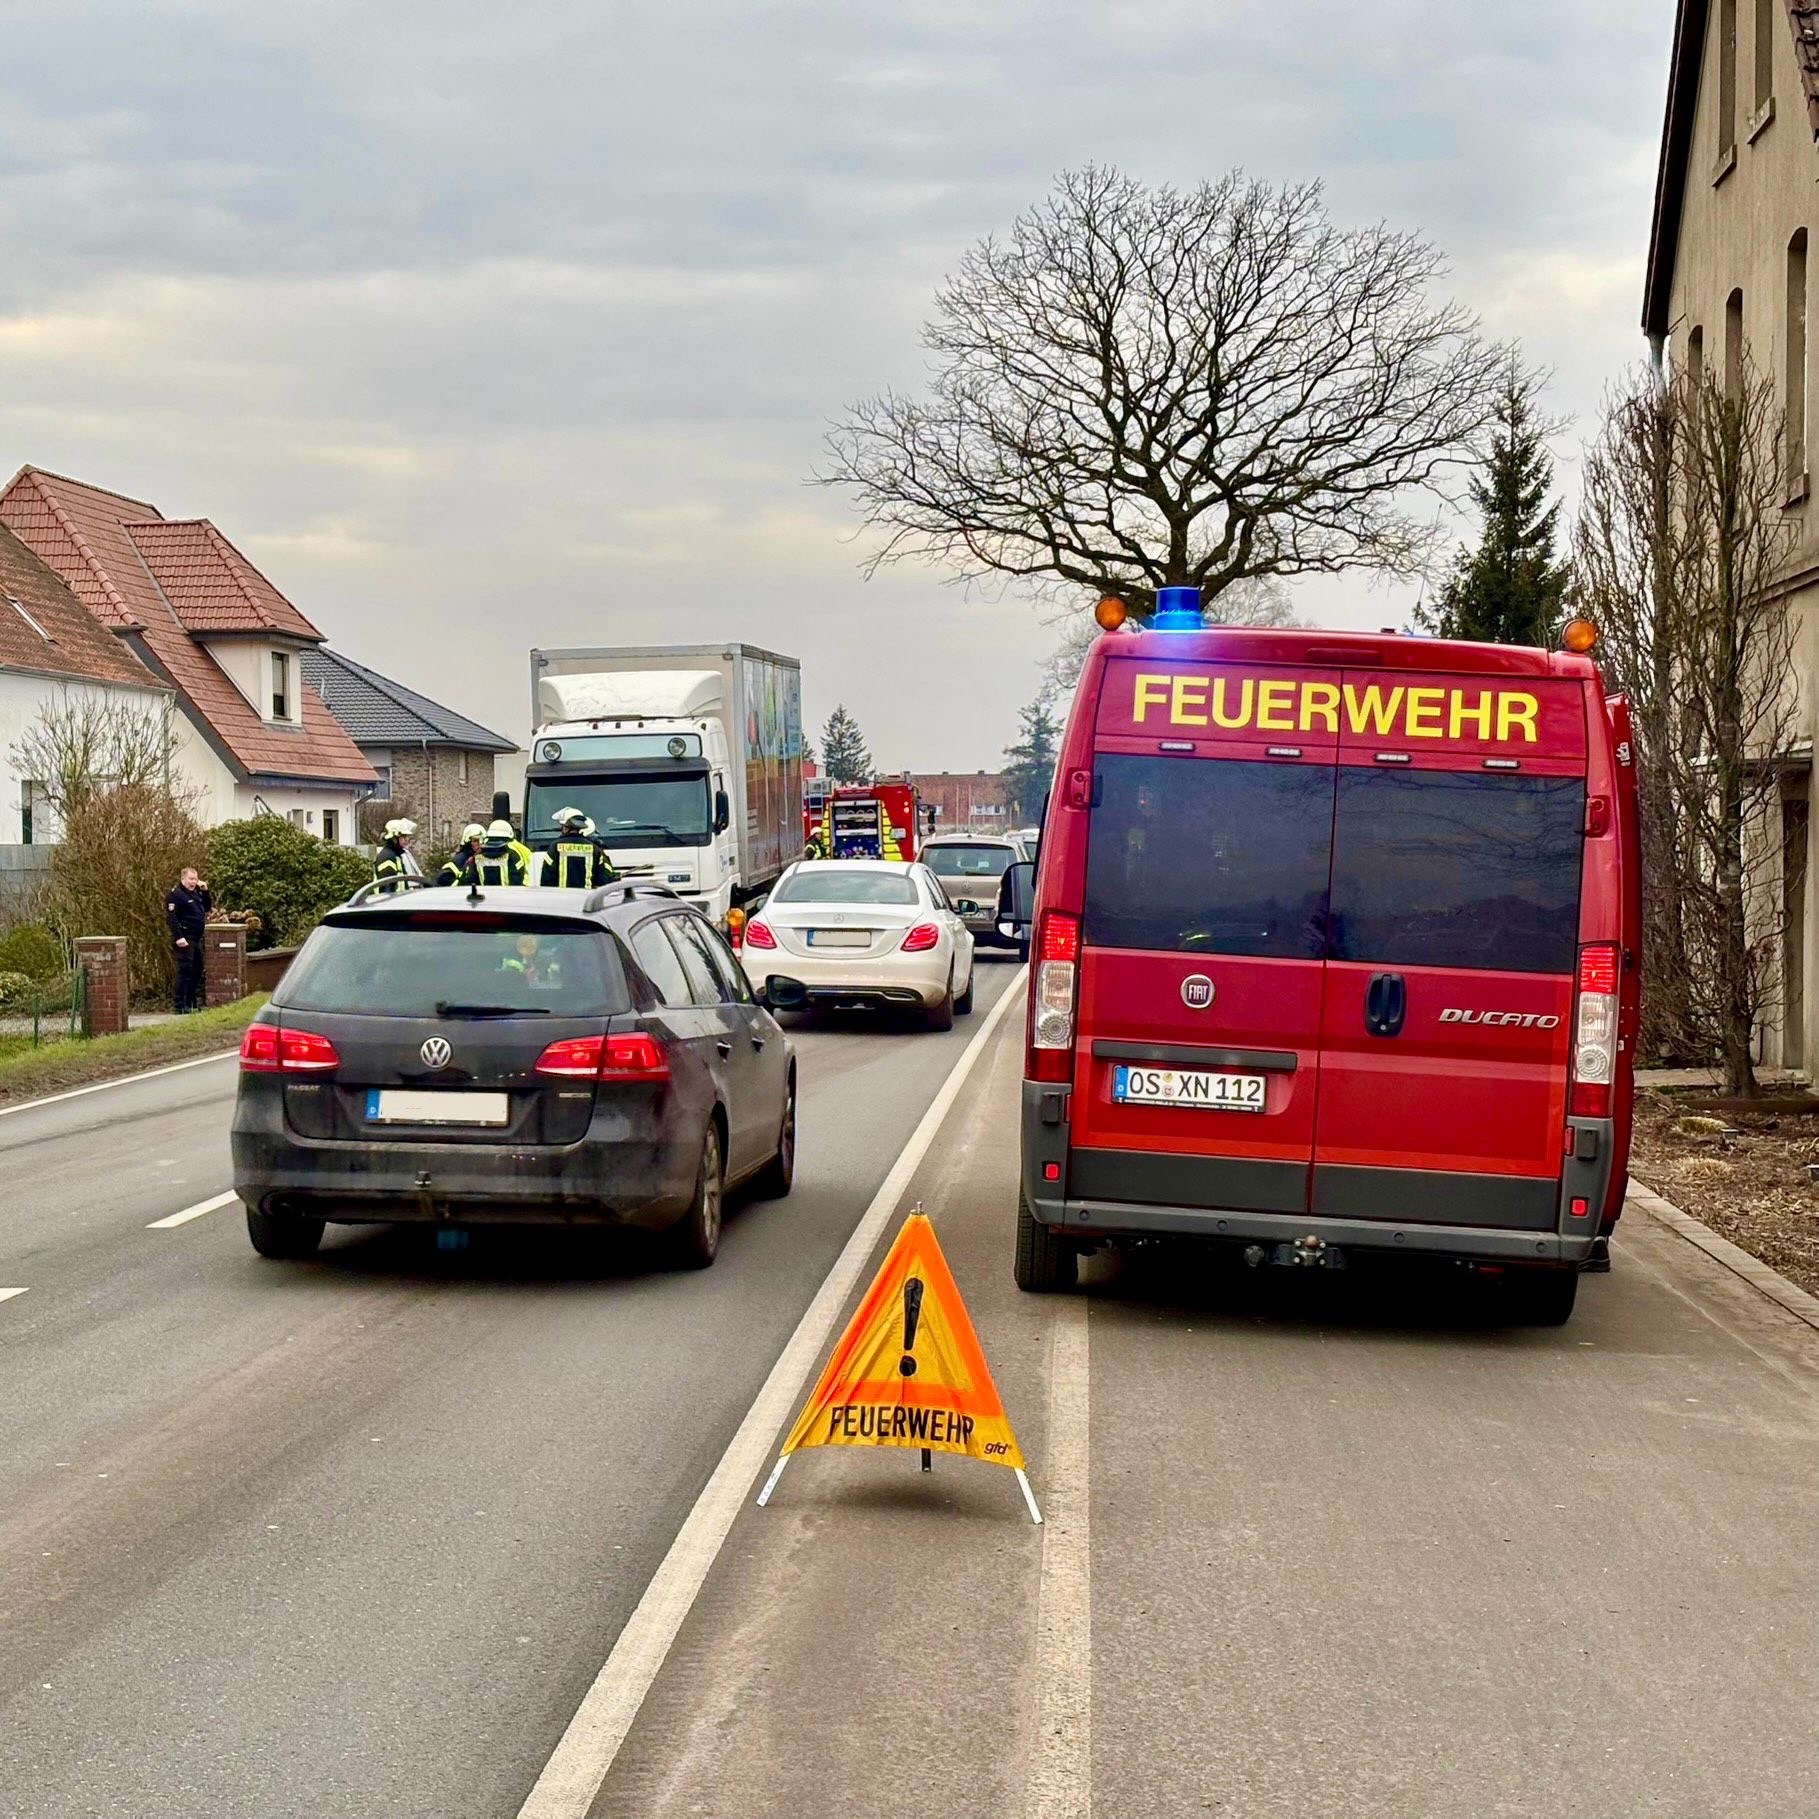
631, 809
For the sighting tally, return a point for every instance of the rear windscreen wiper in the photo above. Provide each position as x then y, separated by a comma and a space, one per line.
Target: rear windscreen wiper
446, 1009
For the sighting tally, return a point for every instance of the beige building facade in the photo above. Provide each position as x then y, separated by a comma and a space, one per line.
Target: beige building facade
1733, 280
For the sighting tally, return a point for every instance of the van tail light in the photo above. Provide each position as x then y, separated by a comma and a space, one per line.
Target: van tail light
1595, 1033
757, 934
1051, 1042
921, 938
265, 1049
636, 1056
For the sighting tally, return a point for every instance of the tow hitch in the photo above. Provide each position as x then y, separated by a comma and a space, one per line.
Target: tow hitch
1309, 1253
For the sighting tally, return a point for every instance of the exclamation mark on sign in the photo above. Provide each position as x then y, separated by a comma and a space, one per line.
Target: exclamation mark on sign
912, 1313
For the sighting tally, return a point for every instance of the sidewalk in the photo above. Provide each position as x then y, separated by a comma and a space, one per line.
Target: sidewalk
1713, 1077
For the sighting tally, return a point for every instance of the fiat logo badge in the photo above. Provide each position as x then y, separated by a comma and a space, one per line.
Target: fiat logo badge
436, 1053
1197, 992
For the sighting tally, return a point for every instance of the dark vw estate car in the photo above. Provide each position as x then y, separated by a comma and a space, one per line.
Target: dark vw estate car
535, 1056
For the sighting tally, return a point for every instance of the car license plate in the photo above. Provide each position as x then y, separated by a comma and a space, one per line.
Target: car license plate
386, 1105
839, 937
1188, 1086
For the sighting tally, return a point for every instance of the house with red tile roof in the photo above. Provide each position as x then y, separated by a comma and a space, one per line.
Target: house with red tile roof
53, 652
253, 736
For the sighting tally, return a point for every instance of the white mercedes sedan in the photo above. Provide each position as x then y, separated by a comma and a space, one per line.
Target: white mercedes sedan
864, 932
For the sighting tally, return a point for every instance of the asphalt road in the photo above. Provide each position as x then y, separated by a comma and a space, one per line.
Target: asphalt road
353, 1537
1316, 1548
350, 1537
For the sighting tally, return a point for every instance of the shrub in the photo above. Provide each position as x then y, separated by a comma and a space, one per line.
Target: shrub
120, 855
16, 991
33, 950
283, 875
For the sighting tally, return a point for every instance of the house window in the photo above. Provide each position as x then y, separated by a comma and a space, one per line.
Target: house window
1765, 51
296, 817
1727, 76
281, 685
1733, 346
1796, 356
382, 790
464, 771
331, 826
30, 794
1695, 356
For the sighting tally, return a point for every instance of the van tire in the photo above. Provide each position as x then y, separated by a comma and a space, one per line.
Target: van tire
283, 1235
1045, 1263
693, 1242
1541, 1297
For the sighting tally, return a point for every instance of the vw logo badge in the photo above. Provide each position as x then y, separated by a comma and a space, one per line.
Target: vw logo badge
436, 1053
1197, 992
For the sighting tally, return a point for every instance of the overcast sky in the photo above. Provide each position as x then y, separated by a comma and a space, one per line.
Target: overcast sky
480, 327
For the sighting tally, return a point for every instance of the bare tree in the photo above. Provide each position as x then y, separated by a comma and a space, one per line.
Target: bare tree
1261, 601
1679, 553
1143, 388
86, 741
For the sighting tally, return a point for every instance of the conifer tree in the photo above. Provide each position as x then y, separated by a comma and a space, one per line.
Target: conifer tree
843, 753
1511, 588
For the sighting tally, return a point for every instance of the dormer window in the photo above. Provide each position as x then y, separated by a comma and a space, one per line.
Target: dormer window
281, 685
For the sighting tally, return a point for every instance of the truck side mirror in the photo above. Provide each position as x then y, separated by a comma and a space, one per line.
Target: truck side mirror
1017, 900
723, 811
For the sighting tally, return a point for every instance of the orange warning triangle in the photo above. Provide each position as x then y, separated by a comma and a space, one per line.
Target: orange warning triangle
908, 1370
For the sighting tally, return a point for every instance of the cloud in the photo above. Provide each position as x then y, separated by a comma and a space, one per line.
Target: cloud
485, 327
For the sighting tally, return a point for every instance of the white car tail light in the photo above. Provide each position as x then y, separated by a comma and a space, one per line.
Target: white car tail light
1595, 1033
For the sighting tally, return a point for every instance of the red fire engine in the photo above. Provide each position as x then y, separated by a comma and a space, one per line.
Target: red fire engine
864, 821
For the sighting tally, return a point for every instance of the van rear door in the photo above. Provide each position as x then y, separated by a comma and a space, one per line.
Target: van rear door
1201, 959
1445, 1037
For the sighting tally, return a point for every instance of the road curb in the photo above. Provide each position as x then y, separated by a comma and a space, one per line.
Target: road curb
1738, 1261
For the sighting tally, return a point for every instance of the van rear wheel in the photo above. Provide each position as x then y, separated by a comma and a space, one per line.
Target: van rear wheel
1541, 1297
1045, 1261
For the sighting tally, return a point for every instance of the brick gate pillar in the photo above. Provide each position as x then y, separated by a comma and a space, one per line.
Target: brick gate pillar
101, 959
223, 964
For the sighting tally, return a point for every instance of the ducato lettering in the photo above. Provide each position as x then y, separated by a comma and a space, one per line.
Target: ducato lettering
1287, 704
1528, 1020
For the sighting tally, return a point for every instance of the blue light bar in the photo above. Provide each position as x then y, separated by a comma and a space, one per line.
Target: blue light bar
1177, 610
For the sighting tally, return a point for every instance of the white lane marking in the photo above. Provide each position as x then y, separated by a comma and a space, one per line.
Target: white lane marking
573, 1775
192, 1212
6, 1294
101, 1086
1059, 1776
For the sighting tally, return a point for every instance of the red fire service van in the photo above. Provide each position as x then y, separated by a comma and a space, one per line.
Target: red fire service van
1335, 949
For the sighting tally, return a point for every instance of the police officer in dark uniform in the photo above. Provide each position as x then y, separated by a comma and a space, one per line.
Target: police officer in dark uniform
578, 861
459, 866
186, 912
499, 860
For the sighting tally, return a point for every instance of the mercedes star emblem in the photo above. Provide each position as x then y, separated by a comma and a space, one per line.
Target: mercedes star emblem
436, 1053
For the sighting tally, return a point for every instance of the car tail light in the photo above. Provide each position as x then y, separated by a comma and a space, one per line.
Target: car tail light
757, 934
636, 1056
1052, 1002
921, 938
1595, 1033
267, 1050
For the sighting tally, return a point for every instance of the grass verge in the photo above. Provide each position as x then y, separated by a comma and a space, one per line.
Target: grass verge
34, 1073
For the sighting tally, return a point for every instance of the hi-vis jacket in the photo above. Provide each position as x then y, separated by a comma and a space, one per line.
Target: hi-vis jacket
577, 863
498, 862
389, 867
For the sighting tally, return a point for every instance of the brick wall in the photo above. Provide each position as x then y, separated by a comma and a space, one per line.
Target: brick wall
431, 784
965, 801
105, 984
223, 964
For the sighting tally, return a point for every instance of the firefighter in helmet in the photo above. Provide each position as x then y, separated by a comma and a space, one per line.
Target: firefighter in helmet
393, 863
499, 860
458, 868
578, 861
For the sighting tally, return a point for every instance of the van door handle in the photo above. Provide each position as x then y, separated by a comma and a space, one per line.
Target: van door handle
1385, 1004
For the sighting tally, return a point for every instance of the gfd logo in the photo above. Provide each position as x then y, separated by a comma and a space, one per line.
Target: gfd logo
1197, 992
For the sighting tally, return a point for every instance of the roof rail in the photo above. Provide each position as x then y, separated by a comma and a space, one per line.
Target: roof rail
387, 887
623, 889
